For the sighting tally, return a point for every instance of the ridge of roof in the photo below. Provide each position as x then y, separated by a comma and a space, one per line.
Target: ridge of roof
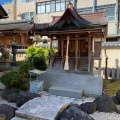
15, 21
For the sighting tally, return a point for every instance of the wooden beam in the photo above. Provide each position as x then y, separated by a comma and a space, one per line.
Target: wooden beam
62, 53
89, 53
93, 46
99, 68
76, 53
50, 52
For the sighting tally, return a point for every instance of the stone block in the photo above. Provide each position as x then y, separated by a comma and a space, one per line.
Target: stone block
66, 92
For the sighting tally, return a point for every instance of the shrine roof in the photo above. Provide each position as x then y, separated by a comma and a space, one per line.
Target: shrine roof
3, 13
15, 25
72, 20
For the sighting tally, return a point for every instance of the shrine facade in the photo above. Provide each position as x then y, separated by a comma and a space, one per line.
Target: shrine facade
79, 40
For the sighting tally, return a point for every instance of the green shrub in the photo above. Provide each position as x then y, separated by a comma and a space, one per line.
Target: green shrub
38, 56
45, 41
24, 67
15, 80
39, 63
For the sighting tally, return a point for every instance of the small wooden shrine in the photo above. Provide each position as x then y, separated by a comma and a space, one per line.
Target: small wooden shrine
79, 40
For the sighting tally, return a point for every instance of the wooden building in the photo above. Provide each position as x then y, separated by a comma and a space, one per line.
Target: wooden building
79, 40
19, 30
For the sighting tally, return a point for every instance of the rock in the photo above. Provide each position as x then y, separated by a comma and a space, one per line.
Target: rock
2, 86
11, 98
61, 110
73, 112
115, 100
8, 111
105, 104
88, 107
7, 92
23, 97
118, 95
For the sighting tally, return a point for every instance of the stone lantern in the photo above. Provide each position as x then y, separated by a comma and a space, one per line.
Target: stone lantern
14, 46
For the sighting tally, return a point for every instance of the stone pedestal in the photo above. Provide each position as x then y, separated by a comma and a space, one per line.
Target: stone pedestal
5, 63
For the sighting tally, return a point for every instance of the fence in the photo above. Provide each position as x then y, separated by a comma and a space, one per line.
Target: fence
113, 73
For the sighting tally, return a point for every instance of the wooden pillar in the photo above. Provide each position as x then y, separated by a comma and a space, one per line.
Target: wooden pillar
93, 53
99, 68
22, 40
76, 53
62, 54
50, 52
66, 66
5, 42
93, 46
89, 53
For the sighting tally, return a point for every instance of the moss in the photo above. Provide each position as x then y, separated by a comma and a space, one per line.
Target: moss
113, 86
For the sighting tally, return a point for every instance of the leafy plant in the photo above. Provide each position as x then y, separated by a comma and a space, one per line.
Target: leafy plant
15, 80
39, 63
45, 41
38, 56
24, 67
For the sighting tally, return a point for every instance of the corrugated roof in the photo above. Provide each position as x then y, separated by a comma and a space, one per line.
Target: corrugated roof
111, 44
16, 25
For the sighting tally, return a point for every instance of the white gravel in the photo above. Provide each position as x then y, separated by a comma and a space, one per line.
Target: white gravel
100, 115
105, 116
57, 103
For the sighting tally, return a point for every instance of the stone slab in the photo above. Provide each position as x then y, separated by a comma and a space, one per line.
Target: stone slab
66, 92
42, 108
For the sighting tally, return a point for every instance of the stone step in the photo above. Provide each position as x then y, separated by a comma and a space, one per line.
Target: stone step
18, 118
66, 92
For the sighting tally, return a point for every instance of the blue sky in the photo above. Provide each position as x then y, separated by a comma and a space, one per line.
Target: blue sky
3, 1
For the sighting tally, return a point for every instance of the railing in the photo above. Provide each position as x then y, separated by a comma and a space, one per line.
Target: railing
112, 73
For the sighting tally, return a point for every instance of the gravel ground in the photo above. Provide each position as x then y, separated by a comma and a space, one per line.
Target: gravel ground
105, 116
96, 115
100, 115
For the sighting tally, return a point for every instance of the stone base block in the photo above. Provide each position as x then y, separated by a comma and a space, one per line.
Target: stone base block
66, 92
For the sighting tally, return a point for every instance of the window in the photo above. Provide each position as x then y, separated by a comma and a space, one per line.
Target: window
87, 11
57, 5
110, 12
10, 10
73, 1
27, 15
62, 6
52, 6
23, 1
47, 6
38, 9
43, 8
